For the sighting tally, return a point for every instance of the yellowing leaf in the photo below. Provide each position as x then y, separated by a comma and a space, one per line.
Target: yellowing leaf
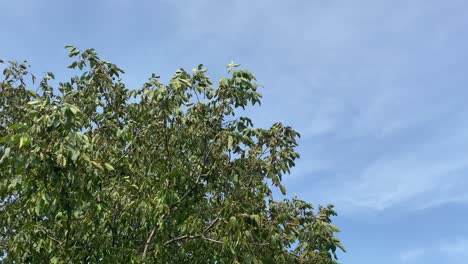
5, 154
97, 164
230, 141
34, 102
108, 166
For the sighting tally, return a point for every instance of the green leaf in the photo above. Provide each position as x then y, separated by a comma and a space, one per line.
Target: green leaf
97, 165
334, 228
4, 139
37, 208
32, 93
72, 108
283, 189
74, 154
340, 246
34, 102
230, 141
22, 140
108, 166
5, 154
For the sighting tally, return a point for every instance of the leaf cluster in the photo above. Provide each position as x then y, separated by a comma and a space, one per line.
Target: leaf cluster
92, 171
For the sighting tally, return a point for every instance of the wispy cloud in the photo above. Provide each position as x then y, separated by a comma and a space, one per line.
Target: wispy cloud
451, 251
393, 131
425, 174
457, 248
377, 88
411, 256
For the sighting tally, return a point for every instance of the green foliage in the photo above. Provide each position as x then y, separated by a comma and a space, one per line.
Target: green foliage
91, 171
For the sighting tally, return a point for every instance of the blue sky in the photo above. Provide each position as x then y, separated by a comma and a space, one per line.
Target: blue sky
376, 88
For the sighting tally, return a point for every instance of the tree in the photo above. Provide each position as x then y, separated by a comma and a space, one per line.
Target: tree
92, 171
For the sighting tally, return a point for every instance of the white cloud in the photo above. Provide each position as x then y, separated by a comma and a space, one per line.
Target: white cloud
390, 182
411, 256
368, 84
395, 130
369, 81
431, 171
327, 115
453, 251
421, 175
455, 248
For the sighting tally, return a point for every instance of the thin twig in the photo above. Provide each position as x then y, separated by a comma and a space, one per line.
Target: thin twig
148, 241
212, 240
181, 238
211, 225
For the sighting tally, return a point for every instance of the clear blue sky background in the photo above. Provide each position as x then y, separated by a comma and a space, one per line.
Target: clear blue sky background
378, 90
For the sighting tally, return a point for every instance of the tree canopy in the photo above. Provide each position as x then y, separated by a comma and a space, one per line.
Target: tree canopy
92, 171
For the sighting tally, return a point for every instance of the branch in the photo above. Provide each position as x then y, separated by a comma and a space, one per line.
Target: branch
172, 207
181, 238
212, 240
148, 241
211, 225
127, 148
150, 237
186, 194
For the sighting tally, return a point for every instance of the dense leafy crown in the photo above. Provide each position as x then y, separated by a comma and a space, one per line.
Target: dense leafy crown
91, 171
